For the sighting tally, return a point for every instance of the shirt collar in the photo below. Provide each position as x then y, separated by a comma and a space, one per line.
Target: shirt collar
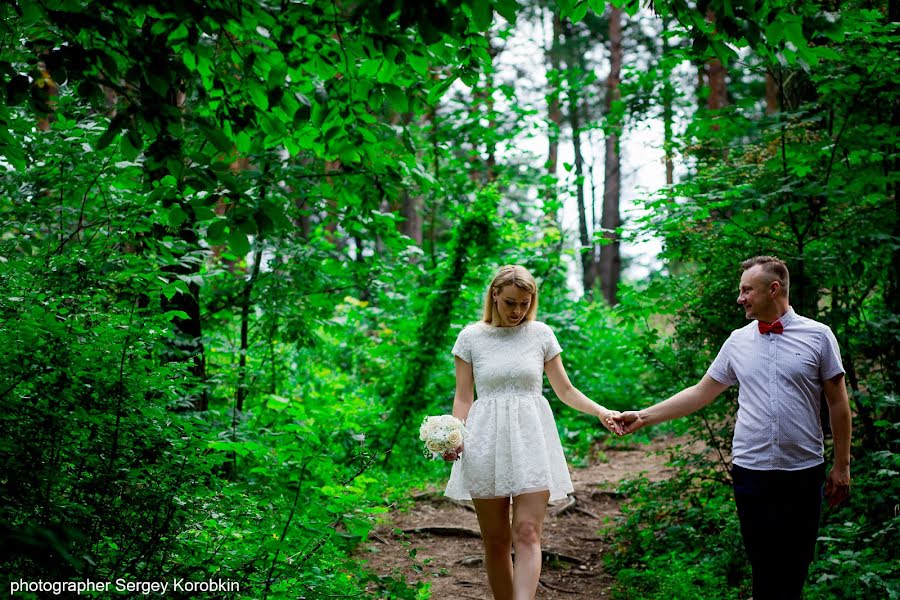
787, 317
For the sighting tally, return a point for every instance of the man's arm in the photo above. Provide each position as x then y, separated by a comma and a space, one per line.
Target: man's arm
683, 403
837, 487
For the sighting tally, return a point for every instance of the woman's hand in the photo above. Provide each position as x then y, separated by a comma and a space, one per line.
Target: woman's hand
610, 420
454, 454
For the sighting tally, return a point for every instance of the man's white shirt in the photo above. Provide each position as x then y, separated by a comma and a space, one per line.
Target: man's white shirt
780, 378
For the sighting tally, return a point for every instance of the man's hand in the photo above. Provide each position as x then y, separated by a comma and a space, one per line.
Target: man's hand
837, 486
629, 421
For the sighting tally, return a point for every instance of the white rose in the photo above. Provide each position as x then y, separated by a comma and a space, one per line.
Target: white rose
455, 438
428, 428
434, 446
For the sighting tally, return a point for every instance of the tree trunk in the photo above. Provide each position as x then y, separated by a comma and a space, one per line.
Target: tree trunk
718, 91
668, 99
772, 94
165, 156
411, 207
573, 93
587, 246
407, 206
246, 304
554, 110
715, 74
610, 258
434, 204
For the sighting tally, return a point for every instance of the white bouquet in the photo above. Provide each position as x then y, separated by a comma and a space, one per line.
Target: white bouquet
443, 433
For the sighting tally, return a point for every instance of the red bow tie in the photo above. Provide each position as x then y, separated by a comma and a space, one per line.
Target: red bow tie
775, 327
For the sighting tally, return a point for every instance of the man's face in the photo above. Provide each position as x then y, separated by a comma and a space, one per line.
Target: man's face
755, 293
512, 304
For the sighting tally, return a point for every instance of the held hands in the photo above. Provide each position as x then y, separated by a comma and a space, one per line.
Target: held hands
609, 418
628, 422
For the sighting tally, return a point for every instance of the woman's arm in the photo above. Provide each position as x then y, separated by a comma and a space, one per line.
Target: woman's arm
465, 389
572, 396
463, 399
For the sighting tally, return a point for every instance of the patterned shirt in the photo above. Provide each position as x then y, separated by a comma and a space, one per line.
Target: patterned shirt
780, 375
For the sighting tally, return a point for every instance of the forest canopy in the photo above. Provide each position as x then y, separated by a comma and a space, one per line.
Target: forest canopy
240, 236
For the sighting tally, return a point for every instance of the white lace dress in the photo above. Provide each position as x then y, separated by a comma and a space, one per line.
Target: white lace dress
515, 447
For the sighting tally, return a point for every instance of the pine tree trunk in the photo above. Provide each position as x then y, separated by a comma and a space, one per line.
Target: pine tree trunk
715, 76
554, 111
411, 209
573, 94
718, 91
668, 100
610, 258
587, 246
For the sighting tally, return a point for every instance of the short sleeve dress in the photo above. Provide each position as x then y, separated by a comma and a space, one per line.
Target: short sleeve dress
515, 447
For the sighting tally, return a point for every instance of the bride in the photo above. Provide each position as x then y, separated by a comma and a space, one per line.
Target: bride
514, 457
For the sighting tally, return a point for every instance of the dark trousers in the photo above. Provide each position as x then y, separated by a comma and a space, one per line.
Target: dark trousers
779, 514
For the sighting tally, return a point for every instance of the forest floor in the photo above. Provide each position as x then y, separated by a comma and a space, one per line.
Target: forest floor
445, 533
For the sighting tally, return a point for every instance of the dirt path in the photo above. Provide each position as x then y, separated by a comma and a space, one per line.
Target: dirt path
445, 534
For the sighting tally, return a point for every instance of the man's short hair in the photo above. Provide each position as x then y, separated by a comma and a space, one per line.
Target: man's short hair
774, 267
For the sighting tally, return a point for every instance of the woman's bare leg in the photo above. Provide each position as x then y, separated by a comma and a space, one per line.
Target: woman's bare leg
527, 526
493, 519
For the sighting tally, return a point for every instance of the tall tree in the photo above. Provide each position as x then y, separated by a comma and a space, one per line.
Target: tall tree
610, 259
668, 101
576, 70
554, 109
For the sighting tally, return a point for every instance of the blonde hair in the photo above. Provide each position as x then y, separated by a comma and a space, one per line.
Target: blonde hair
510, 275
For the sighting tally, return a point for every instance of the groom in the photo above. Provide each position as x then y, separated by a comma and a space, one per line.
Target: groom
781, 362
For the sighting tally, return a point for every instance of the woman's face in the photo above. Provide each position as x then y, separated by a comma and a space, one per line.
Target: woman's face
512, 304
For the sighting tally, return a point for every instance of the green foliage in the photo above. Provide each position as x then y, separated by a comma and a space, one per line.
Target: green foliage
218, 309
680, 538
205, 278
858, 542
808, 185
97, 468
473, 238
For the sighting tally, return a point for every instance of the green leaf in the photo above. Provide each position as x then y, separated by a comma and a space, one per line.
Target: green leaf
115, 126
258, 95
438, 91
508, 9
277, 403
397, 98
176, 215
132, 144
579, 12
238, 243
215, 233
482, 14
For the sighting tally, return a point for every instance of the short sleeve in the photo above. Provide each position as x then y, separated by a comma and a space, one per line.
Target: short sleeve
550, 344
722, 369
463, 346
830, 364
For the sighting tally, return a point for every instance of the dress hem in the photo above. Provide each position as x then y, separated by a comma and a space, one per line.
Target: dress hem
555, 495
